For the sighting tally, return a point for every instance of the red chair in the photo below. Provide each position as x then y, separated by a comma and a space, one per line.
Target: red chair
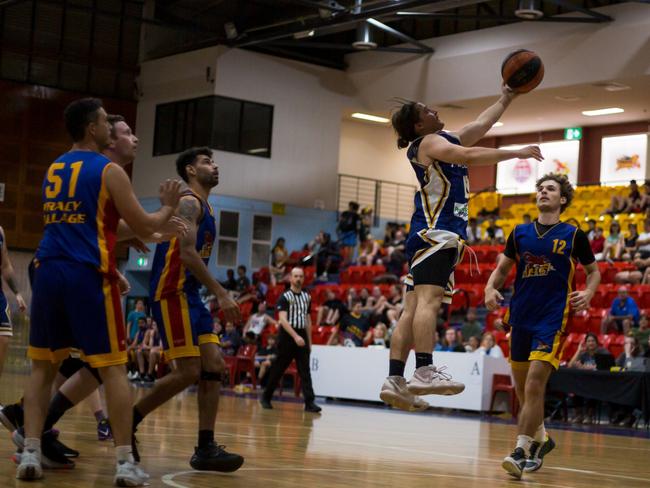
617, 345
344, 276
580, 276
596, 317
492, 316
571, 344
608, 275
461, 275
579, 322
231, 367
503, 383
504, 344
246, 362
292, 371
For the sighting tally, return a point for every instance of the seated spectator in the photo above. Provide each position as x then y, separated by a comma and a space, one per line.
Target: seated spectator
369, 252
643, 241
597, 242
471, 326
631, 359
643, 332
151, 352
614, 243
474, 232
629, 242
366, 224
348, 230
331, 310
591, 230
585, 355
366, 300
217, 328
279, 257
473, 344
379, 334
133, 318
351, 296
621, 204
243, 283
623, 314
451, 343
230, 340
327, 258
137, 367
255, 293
354, 328
489, 347
396, 254
231, 283
258, 321
494, 233
387, 311
265, 356
526, 219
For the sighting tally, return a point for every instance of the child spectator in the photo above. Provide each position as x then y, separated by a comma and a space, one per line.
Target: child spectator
265, 356
230, 340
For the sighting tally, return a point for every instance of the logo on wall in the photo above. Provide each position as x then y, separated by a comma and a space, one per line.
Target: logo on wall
628, 162
522, 170
561, 167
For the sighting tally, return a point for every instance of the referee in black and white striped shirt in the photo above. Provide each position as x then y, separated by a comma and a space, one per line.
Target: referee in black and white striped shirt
294, 341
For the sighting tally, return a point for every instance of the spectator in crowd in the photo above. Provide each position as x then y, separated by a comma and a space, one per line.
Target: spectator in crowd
614, 243
473, 343
489, 347
450, 343
389, 233
331, 310
474, 232
620, 204
151, 352
396, 254
597, 243
258, 321
366, 300
379, 335
591, 229
134, 316
629, 242
643, 242
348, 230
369, 252
230, 340
265, 357
631, 359
526, 219
327, 257
243, 283
279, 257
494, 233
643, 332
217, 328
354, 328
389, 309
231, 283
640, 274
137, 370
623, 314
365, 225
471, 325
351, 296
256, 292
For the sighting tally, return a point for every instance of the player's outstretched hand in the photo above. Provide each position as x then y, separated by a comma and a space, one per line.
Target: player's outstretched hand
493, 299
22, 306
229, 307
529, 152
170, 193
507, 92
174, 227
123, 284
580, 300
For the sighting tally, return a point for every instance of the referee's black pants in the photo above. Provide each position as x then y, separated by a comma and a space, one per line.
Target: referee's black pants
288, 350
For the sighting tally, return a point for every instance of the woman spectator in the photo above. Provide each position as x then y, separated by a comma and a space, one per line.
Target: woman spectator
630, 242
451, 343
473, 344
152, 351
366, 224
629, 359
279, 257
489, 347
379, 333
614, 243
369, 252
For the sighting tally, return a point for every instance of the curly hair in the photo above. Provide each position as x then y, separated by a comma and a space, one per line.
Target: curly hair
566, 189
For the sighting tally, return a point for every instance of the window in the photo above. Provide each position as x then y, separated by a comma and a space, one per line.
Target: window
261, 246
228, 235
223, 123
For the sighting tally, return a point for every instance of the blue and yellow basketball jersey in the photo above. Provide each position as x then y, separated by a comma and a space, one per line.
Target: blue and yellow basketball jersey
168, 274
544, 280
80, 217
441, 201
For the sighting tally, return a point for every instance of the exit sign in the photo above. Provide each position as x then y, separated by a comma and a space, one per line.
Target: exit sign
142, 262
573, 133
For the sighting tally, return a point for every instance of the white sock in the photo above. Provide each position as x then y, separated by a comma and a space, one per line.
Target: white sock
524, 441
540, 434
33, 444
124, 454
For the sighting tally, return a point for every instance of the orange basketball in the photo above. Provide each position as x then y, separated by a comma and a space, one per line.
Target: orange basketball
522, 70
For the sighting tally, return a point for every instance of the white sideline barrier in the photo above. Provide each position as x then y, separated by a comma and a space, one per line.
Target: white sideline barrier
358, 373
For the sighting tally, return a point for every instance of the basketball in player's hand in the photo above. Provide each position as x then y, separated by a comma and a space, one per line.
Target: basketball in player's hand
522, 70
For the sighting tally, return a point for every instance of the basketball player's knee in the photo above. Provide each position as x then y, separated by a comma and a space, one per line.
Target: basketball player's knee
534, 388
216, 364
189, 371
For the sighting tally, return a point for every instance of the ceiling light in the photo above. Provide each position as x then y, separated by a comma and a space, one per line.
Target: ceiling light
371, 118
258, 150
304, 34
497, 124
602, 111
529, 10
567, 98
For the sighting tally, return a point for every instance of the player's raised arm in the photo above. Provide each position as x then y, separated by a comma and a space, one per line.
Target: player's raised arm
141, 222
190, 211
437, 148
475, 131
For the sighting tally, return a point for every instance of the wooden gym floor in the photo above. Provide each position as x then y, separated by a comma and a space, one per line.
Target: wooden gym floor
346, 446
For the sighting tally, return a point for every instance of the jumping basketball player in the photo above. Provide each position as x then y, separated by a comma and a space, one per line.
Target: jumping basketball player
185, 324
436, 237
545, 252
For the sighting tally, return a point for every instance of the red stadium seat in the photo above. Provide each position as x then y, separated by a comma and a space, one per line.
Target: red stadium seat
596, 317
246, 362
580, 276
617, 345
492, 316
503, 383
579, 322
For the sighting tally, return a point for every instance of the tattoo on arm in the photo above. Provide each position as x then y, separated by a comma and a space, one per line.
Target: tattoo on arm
188, 209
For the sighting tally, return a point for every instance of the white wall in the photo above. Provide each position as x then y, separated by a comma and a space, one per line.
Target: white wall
307, 104
370, 150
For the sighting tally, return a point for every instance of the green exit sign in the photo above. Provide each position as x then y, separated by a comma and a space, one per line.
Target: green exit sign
573, 133
142, 262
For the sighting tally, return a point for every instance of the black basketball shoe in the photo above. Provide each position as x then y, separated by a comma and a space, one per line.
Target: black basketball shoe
215, 458
537, 453
12, 416
515, 463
